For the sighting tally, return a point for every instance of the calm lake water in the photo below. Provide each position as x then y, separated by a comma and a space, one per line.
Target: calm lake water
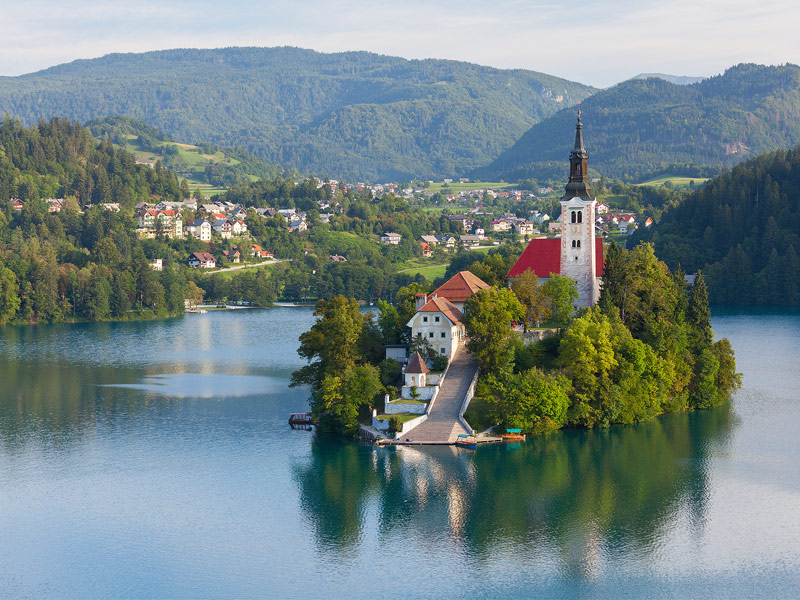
143, 460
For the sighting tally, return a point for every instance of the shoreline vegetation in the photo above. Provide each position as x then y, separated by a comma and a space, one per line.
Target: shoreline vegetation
645, 349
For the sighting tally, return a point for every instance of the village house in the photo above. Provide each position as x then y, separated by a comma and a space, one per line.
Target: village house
391, 238
233, 256
259, 252
149, 220
202, 260
499, 226
200, 229
224, 228
470, 241
438, 316
426, 250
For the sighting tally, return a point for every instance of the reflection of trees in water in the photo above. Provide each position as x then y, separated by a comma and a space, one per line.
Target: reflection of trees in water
584, 495
58, 404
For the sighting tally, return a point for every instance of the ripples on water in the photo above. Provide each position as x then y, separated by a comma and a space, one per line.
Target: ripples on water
153, 460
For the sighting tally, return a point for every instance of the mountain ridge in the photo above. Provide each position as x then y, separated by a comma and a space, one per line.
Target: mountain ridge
642, 126
350, 114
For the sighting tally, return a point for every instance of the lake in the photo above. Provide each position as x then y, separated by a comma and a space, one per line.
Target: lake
153, 459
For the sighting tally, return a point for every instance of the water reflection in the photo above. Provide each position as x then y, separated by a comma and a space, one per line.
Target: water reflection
584, 496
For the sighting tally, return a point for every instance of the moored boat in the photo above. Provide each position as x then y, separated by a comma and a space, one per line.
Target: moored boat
513, 435
300, 419
467, 440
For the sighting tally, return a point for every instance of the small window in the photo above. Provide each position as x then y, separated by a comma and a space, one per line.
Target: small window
419, 334
573, 243
424, 319
444, 335
578, 243
442, 350
431, 333
412, 379
436, 319
580, 216
574, 218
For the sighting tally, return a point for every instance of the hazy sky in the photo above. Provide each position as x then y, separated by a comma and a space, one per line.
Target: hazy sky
592, 41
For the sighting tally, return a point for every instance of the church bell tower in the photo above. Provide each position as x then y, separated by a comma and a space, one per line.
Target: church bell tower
578, 249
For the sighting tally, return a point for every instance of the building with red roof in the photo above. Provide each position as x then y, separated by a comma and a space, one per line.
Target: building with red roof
578, 253
460, 287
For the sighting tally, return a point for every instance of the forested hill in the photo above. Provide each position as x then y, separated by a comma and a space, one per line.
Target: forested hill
743, 230
642, 126
352, 115
81, 262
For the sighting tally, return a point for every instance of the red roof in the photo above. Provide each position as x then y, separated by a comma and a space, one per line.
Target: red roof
543, 257
444, 306
460, 287
416, 364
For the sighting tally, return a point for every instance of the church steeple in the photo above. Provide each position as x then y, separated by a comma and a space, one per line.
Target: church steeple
578, 167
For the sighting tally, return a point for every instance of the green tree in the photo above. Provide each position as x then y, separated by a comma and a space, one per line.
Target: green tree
531, 401
532, 297
9, 295
331, 343
488, 315
562, 293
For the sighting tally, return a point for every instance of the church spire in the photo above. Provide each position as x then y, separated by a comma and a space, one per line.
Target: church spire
578, 167
579, 134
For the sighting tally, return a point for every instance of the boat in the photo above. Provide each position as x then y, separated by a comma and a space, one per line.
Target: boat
513, 435
467, 440
300, 419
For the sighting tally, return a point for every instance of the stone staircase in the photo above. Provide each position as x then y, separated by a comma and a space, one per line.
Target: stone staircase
443, 425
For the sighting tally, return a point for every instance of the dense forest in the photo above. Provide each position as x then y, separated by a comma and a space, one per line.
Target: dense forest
645, 349
742, 229
646, 126
352, 115
83, 262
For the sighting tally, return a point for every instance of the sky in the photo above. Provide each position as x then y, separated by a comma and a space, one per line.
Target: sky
598, 42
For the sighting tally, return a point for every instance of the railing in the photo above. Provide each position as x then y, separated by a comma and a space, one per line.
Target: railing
467, 397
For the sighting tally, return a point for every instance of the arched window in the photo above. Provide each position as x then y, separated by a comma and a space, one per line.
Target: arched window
573, 243
574, 217
580, 216
578, 244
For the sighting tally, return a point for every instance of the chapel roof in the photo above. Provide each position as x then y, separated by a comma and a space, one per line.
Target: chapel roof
543, 257
416, 364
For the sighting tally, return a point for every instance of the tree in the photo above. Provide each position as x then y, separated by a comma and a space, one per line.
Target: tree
194, 294
698, 313
562, 292
488, 315
531, 401
9, 295
532, 297
332, 342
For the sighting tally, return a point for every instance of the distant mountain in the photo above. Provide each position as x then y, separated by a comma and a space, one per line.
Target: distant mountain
644, 126
676, 79
742, 229
354, 114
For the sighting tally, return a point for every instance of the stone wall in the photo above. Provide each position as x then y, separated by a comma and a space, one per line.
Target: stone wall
397, 407
425, 393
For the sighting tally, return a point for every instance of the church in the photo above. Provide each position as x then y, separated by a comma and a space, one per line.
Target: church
578, 254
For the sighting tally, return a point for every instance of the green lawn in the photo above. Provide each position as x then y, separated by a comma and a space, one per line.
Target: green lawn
677, 182
402, 416
473, 185
431, 272
229, 274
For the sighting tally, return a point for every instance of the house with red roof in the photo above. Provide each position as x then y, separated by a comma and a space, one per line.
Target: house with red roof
438, 316
578, 252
